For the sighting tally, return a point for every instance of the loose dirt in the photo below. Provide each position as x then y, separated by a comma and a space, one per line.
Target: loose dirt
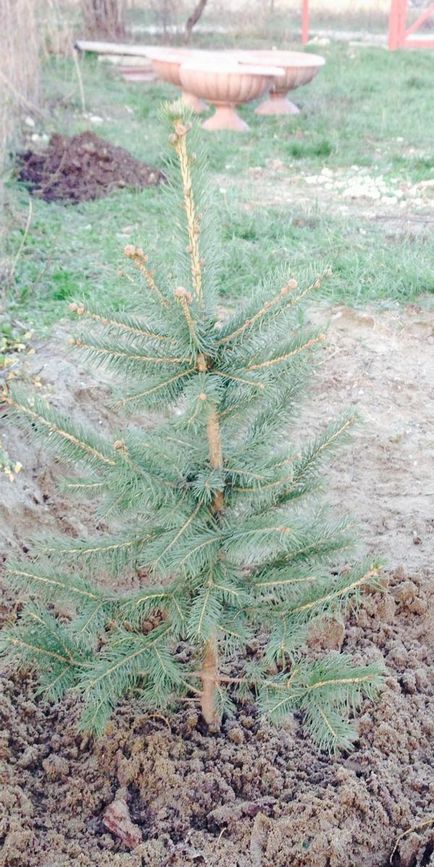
82, 167
253, 795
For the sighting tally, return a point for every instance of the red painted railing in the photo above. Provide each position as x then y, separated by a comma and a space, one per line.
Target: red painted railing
400, 35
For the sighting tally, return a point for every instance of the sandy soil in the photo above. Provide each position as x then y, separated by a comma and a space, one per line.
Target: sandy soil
399, 206
253, 795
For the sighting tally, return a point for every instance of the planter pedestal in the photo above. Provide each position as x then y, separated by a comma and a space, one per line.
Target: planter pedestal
225, 117
277, 103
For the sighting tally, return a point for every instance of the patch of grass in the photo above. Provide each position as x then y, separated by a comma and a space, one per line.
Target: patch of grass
366, 107
366, 265
76, 252
414, 167
303, 150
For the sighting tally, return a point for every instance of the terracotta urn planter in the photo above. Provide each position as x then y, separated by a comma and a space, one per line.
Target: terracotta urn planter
226, 83
299, 68
166, 63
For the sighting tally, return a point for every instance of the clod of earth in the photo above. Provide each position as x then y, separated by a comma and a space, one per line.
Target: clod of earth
83, 167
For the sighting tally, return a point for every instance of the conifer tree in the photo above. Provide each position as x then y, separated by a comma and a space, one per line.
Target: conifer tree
215, 507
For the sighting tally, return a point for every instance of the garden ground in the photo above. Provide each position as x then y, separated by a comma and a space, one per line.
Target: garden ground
345, 185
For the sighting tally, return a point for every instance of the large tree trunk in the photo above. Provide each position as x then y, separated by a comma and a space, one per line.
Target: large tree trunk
104, 17
194, 18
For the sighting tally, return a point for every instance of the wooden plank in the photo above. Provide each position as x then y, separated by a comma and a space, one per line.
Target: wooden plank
112, 48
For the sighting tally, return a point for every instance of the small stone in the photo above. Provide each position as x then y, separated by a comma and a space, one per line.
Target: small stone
192, 719
408, 682
246, 721
327, 633
29, 757
419, 605
55, 743
422, 681
386, 608
55, 767
5, 737
253, 645
397, 654
407, 592
236, 735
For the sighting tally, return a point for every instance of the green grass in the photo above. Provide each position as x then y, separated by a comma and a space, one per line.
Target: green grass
367, 107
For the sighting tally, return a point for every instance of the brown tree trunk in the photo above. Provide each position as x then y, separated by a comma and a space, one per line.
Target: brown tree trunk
194, 18
209, 676
104, 17
210, 666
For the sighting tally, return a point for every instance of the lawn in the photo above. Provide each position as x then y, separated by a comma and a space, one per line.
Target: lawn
368, 111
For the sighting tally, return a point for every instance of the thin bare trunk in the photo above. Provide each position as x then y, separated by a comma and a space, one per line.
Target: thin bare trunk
215, 452
104, 17
194, 18
210, 666
210, 677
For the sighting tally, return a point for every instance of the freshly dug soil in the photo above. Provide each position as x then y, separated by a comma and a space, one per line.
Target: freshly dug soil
83, 167
253, 795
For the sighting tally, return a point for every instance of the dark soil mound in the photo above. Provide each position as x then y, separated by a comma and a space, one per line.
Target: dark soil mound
83, 167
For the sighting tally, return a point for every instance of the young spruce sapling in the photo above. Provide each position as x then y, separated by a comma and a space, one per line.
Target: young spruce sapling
219, 508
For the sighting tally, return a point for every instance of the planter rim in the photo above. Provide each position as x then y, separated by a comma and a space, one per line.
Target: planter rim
217, 65
282, 58
169, 52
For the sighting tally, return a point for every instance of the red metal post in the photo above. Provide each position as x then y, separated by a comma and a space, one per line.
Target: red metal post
304, 21
400, 34
397, 19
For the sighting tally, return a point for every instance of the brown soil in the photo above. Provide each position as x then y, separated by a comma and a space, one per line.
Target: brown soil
82, 167
253, 795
